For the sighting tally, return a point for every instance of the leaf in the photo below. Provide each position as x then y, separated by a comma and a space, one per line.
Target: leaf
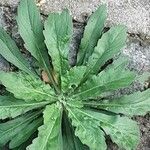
58, 32
122, 130
12, 128
92, 33
25, 133
11, 107
87, 129
26, 87
11, 53
112, 78
144, 77
50, 133
134, 104
109, 45
31, 30
70, 141
74, 103
26, 143
73, 78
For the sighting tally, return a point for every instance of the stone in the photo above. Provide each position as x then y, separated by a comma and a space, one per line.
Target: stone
11, 3
4, 65
75, 42
139, 55
135, 14
2, 20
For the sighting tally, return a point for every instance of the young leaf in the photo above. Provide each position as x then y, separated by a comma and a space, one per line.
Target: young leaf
58, 32
31, 30
13, 127
134, 104
122, 130
87, 129
11, 107
92, 33
50, 133
11, 53
73, 77
115, 77
109, 45
26, 87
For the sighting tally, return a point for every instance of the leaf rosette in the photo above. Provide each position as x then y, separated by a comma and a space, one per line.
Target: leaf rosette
54, 106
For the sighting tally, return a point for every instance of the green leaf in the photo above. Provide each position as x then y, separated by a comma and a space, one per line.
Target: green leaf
134, 104
122, 130
31, 30
109, 45
18, 139
58, 32
26, 87
11, 53
112, 78
144, 77
87, 129
70, 141
50, 133
12, 128
26, 143
74, 103
73, 78
11, 107
92, 33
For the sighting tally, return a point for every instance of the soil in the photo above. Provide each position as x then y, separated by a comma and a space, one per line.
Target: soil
10, 26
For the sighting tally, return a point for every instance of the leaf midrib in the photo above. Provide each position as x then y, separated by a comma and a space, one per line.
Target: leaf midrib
40, 92
20, 123
24, 105
88, 43
87, 90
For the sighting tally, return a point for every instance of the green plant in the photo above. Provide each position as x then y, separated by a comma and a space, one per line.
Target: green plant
77, 110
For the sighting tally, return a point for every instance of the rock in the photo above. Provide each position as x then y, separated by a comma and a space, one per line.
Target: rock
144, 123
135, 14
75, 42
4, 65
12, 3
139, 54
2, 20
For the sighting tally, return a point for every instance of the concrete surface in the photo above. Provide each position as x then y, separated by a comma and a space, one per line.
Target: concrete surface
135, 14
2, 22
139, 54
